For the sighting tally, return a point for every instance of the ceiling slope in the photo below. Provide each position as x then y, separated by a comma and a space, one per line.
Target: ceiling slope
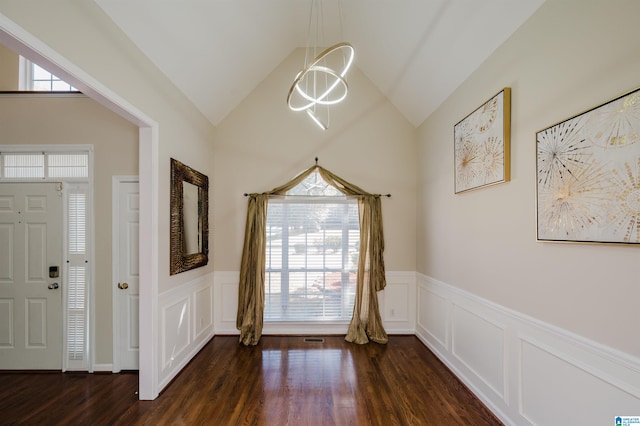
417, 52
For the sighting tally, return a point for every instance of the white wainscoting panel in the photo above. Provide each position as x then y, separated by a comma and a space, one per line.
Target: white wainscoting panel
433, 316
186, 325
526, 371
479, 344
203, 315
560, 392
225, 296
398, 303
397, 306
230, 303
175, 331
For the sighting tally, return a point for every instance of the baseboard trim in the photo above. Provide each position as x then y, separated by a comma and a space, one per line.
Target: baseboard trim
101, 368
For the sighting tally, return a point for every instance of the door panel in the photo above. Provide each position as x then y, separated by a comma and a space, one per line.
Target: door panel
36, 323
6, 252
30, 242
36, 250
6, 323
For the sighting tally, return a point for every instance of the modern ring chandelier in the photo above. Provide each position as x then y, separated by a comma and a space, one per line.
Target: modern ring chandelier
321, 82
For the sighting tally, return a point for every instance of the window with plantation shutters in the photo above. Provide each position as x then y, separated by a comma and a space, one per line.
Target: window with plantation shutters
312, 248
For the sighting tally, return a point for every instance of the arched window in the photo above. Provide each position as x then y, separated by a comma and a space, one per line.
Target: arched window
312, 247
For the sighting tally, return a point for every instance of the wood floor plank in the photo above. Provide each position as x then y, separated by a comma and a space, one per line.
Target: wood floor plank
282, 380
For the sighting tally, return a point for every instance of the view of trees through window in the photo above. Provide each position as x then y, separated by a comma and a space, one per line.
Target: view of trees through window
313, 238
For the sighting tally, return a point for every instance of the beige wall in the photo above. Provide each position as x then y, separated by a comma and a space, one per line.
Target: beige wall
9, 69
262, 144
80, 120
570, 56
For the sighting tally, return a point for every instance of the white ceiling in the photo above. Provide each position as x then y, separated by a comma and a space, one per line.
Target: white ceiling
417, 52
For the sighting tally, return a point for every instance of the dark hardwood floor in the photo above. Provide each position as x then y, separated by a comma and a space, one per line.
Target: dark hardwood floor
283, 380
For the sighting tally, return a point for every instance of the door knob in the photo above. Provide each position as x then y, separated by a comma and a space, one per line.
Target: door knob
53, 286
123, 286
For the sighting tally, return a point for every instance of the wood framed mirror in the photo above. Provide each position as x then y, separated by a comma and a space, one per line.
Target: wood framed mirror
189, 226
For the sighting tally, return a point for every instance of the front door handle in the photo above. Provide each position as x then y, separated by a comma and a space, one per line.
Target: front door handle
53, 286
123, 286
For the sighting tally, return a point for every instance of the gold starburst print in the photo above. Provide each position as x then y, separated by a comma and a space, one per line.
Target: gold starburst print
575, 204
467, 165
562, 152
491, 159
588, 175
487, 115
625, 215
616, 124
481, 144
466, 152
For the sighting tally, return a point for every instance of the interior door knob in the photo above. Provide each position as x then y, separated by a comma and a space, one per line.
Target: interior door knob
123, 286
53, 286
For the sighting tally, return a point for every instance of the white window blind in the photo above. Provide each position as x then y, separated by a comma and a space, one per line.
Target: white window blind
311, 255
68, 165
27, 166
76, 312
77, 278
77, 224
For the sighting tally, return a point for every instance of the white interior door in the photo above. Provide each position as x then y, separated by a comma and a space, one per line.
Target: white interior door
30, 276
127, 274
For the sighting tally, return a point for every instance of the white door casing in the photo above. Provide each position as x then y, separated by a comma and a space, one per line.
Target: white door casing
30, 292
126, 273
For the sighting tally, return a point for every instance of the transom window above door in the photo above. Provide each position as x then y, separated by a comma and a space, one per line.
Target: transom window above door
43, 165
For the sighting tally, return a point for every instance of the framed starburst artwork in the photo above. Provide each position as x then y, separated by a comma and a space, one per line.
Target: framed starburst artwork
482, 144
588, 175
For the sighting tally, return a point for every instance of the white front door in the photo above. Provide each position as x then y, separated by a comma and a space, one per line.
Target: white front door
31, 276
126, 274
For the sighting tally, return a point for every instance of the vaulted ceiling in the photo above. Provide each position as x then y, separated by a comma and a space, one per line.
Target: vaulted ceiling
416, 52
